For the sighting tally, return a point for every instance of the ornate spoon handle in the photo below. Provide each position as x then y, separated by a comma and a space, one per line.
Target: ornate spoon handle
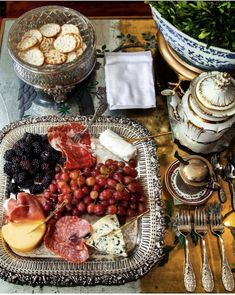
221, 192
189, 275
227, 276
207, 277
99, 112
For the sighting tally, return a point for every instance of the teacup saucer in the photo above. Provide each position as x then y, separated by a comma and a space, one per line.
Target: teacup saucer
183, 192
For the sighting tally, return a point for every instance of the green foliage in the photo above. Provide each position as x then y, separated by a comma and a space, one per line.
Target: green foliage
212, 22
64, 109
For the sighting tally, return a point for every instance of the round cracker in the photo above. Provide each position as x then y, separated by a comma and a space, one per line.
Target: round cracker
79, 52
50, 30
65, 43
46, 44
78, 40
71, 56
84, 46
26, 43
55, 57
69, 29
33, 33
33, 56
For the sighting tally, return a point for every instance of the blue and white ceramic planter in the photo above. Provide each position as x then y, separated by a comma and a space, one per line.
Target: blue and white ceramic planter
192, 51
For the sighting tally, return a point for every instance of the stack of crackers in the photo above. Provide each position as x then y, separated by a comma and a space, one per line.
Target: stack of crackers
51, 44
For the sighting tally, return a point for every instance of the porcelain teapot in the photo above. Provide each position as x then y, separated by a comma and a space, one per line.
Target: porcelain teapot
203, 120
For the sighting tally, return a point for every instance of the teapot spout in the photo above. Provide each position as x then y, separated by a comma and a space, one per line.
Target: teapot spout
173, 102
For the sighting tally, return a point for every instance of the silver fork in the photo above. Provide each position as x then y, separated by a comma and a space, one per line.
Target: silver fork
99, 112
200, 228
184, 227
217, 228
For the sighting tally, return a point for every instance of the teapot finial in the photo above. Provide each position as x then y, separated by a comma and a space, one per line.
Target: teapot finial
222, 80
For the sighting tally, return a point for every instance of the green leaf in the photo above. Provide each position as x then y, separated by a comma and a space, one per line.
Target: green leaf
64, 109
203, 35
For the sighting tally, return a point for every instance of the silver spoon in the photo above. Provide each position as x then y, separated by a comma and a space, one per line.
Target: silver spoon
229, 171
99, 112
218, 168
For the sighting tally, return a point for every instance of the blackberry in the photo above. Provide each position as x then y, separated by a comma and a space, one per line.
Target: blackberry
38, 177
45, 166
56, 155
25, 164
36, 164
13, 188
45, 155
20, 142
9, 155
61, 161
8, 168
26, 148
37, 137
29, 138
36, 189
16, 159
18, 151
15, 167
44, 138
46, 181
28, 183
21, 177
37, 148
49, 148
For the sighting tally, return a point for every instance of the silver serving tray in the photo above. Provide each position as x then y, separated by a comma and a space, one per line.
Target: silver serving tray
148, 249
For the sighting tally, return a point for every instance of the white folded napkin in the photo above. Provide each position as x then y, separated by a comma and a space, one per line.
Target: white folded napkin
129, 80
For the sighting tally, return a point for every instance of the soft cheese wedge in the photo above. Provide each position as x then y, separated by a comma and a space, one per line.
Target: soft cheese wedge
117, 145
20, 237
107, 237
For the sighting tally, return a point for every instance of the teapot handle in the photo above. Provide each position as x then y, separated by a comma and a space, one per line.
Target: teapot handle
213, 177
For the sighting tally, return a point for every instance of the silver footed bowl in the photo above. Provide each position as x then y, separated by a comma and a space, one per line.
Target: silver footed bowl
56, 80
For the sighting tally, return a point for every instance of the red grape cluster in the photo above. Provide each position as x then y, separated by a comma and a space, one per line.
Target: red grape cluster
109, 188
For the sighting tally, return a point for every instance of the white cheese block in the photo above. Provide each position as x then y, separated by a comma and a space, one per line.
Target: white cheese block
117, 145
105, 241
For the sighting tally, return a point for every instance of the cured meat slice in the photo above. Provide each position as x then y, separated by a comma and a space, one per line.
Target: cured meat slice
25, 208
65, 238
78, 154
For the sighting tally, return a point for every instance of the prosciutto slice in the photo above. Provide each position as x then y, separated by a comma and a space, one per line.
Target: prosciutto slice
25, 207
78, 154
65, 238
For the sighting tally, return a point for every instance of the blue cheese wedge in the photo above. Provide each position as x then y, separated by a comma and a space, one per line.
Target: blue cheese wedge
107, 236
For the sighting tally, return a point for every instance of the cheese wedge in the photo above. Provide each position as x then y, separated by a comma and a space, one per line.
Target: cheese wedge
106, 237
117, 145
19, 236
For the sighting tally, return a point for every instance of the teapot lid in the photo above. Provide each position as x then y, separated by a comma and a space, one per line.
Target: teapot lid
214, 91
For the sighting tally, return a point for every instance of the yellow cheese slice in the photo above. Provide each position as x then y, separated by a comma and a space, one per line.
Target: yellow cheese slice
19, 236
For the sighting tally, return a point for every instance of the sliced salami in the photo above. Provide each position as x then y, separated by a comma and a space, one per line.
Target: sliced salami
78, 154
65, 238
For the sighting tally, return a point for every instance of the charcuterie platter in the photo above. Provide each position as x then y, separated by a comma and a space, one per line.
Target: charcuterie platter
109, 201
